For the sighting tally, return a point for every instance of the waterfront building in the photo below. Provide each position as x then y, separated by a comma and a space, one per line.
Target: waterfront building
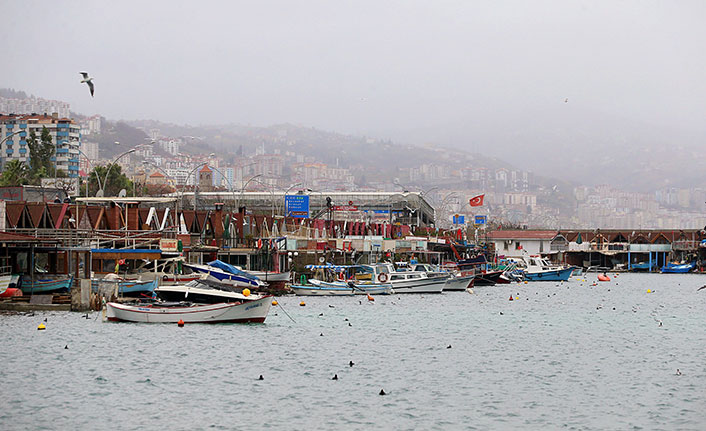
65, 134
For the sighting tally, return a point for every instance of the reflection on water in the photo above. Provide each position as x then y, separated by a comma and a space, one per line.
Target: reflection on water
561, 355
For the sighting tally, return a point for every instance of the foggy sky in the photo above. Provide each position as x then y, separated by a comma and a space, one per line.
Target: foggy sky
400, 70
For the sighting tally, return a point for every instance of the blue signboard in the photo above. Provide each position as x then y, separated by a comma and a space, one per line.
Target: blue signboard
481, 219
296, 206
459, 219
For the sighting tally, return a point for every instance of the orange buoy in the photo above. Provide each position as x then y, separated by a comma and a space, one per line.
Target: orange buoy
370, 298
602, 277
180, 323
274, 302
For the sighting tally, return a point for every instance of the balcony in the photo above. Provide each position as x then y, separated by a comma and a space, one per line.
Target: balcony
646, 248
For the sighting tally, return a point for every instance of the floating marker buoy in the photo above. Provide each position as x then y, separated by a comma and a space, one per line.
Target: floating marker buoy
66, 347
511, 299
41, 327
382, 391
301, 304
525, 281
649, 290
602, 277
180, 323
274, 302
335, 377
449, 346
261, 378
351, 363
370, 298
246, 292
517, 297
349, 324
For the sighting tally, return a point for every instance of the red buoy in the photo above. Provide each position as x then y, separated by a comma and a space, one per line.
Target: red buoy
180, 323
511, 299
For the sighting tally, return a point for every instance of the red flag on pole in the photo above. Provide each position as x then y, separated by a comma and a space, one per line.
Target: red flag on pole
477, 201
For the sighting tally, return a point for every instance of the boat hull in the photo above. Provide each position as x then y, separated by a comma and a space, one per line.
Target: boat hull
678, 269
552, 275
488, 278
234, 312
359, 289
323, 288
459, 283
425, 285
45, 286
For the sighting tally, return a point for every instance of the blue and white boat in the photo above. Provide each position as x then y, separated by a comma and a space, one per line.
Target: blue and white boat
226, 273
642, 266
673, 268
538, 269
30, 286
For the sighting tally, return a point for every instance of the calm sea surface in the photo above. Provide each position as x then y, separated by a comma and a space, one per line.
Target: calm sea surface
562, 356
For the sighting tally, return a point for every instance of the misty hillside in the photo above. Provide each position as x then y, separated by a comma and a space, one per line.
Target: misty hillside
586, 146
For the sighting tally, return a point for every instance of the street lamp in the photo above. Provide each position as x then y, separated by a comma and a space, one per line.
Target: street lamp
10, 136
101, 192
245, 185
287, 191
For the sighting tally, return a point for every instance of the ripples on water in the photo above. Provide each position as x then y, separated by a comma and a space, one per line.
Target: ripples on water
559, 357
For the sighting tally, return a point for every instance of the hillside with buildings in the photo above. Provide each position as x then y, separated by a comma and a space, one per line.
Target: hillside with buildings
286, 156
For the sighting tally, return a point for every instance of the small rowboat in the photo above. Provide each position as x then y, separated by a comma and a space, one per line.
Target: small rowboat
232, 312
30, 286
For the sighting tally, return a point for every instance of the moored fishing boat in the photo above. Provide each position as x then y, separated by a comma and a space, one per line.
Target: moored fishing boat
47, 285
675, 268
408, 281
538, 269
232, 312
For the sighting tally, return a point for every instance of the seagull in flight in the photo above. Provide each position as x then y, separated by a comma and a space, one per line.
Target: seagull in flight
87, 80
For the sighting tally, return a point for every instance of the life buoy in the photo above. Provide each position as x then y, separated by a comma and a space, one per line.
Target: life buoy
382, 277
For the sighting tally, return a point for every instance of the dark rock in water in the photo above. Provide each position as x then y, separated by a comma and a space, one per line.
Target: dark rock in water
261, 378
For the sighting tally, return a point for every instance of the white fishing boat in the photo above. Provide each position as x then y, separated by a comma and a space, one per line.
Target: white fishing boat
232, 312
408, 281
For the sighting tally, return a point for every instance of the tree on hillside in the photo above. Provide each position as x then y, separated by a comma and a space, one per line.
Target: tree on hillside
40, 153
15, 173
116, 180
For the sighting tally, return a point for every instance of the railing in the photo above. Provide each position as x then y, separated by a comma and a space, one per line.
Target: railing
685, 244
98, 238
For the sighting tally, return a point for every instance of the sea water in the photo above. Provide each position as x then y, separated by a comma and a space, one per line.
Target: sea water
558, 356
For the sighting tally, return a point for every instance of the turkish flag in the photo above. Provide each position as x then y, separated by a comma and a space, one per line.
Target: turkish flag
477, 201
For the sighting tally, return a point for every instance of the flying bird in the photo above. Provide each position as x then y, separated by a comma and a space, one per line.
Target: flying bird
88, 81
